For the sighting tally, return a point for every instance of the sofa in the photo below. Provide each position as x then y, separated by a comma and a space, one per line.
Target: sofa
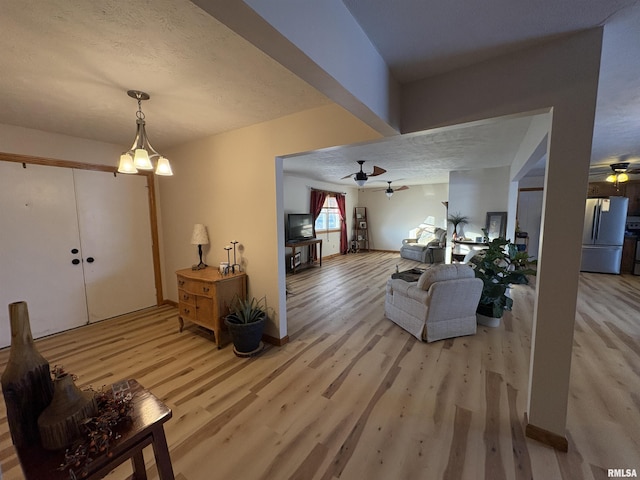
428, 248
441, 304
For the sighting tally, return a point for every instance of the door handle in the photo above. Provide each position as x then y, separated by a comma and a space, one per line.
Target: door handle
90, 259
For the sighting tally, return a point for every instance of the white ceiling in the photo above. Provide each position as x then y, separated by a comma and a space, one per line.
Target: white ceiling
67, 64
418, 158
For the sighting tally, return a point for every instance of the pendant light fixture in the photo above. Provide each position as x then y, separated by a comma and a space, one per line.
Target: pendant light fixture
389, 191
141, 153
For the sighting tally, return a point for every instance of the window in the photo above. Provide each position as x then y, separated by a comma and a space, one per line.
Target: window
329, 218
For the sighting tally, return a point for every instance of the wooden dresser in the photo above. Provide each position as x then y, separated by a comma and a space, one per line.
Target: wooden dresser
204, 297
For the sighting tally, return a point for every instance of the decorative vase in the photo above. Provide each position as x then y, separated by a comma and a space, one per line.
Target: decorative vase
26, 382
59, 423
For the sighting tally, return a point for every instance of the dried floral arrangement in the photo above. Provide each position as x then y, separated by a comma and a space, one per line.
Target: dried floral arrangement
99, 431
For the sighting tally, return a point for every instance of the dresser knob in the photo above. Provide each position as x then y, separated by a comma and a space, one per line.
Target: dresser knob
181, 282
205, 289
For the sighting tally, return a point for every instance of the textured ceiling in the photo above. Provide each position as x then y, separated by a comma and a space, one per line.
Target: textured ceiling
66, 66
418, 158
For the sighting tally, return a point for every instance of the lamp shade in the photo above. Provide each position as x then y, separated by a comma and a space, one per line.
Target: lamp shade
141, 159
163, 168
199, 235
126, 164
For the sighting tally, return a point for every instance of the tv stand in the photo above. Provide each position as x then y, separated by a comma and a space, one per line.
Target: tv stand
311, 242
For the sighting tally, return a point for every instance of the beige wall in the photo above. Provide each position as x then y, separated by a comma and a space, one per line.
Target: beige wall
473, 193
391, 219
26, 141
228, 182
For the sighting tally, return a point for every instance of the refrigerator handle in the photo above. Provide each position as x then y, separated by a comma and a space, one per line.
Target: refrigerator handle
594, 222
598, 218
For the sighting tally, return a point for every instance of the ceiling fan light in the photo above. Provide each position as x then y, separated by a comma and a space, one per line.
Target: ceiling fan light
388, 192
126, 164
141, 159
164, 167
623, 177
360, 181
611, 178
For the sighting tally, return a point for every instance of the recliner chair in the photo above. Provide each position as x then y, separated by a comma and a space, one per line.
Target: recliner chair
441, 304
429, 248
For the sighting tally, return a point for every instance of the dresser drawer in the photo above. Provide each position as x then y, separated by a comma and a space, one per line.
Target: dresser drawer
187, 310
196, 287
186, 297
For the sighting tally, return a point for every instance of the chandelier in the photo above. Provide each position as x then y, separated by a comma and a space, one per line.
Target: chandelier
141, 153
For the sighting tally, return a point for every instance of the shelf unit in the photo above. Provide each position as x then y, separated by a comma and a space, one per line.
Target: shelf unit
522, 241
360, 241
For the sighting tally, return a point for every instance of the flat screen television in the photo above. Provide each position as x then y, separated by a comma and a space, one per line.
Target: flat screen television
299, 227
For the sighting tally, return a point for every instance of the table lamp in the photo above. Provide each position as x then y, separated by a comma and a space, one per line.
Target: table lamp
199, 237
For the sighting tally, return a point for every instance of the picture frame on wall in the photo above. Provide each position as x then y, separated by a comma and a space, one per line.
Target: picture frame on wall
496, 225
363, 225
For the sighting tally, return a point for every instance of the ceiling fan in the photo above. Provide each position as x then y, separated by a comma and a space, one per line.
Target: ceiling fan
619, 172
390, 191
361, 177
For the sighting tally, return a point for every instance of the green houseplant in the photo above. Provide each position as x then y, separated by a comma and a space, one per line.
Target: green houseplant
246, 323
456, 219
499, 266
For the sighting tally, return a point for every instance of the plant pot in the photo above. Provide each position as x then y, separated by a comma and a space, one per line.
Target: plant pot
484, 316
247, 337
487, 321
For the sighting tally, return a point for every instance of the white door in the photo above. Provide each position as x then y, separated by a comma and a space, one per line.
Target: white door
115, 232
38, 234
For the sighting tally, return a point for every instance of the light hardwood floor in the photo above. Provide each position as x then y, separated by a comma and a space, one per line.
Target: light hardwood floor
353, 396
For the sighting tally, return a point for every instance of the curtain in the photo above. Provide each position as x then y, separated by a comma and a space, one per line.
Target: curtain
343, 224
317, 201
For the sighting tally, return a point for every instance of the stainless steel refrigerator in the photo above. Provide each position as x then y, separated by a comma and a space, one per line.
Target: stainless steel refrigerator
603, 236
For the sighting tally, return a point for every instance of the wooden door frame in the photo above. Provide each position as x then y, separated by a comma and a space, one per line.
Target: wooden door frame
155, 247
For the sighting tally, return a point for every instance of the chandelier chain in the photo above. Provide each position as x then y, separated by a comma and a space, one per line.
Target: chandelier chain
140, 113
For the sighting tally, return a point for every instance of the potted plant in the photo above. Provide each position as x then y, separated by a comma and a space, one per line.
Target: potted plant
246, 324
456, 219
499, 266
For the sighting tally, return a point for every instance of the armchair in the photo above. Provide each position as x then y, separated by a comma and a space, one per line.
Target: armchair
429, 248
441, 304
